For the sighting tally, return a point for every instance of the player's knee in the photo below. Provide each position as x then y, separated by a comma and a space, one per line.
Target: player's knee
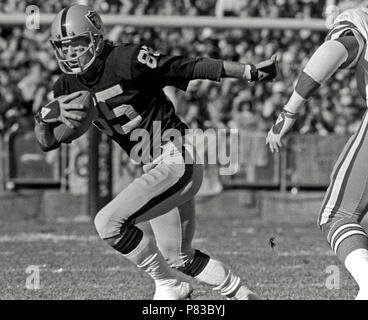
327, 217
124, 239
108, 223
101, 223
105, 225
121, 235
324, 228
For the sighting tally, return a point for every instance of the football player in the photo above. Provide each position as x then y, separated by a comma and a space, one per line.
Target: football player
127, 81
346, 200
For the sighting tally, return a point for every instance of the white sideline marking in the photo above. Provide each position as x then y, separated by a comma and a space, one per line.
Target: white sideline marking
112, 269
76, 219
306, 253
31, 237
72, 270
6, 253
280, 253
118, 268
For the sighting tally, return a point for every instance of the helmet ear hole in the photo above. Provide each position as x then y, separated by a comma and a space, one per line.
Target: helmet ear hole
99, 45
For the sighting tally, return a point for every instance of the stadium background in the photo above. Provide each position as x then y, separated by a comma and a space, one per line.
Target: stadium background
47, 199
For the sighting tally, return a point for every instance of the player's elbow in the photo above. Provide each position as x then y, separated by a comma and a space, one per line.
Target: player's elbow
45, 138
47, 148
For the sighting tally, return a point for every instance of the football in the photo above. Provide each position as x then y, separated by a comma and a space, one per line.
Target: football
62, 132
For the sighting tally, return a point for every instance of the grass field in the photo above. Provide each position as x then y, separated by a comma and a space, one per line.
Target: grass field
75, 264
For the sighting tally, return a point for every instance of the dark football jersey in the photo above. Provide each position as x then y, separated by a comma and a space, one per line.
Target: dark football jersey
129, 90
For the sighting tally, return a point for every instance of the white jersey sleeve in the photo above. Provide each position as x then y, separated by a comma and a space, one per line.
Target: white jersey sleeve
351, 22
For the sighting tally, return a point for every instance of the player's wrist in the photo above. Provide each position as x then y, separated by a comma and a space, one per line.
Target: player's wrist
38, 119
284, 122
250, 72
290, 114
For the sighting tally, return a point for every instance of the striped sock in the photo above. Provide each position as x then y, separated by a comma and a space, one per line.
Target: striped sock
233, 289
349, 241
149, 259
224, 281
345, 236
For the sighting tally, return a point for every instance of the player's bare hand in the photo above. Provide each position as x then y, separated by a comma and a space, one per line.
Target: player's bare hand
274, 141
62, 109
67, 109
281, 127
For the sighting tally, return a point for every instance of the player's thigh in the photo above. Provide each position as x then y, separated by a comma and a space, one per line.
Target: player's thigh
347, 195
174, 233
159, 190
172, 198
136, 195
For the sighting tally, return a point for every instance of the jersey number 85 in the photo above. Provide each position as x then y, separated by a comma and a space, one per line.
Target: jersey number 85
102, 123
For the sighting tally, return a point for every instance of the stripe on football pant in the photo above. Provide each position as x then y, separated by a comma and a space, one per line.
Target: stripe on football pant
336, 170
348, 175
341, 175
182, 182
334, 174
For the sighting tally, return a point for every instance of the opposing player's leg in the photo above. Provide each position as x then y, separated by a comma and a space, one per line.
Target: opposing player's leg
164, 185
174, 233
345, 205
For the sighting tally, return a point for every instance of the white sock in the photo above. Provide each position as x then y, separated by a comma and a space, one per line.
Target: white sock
357, 264
224, 281
148, 258
362, 295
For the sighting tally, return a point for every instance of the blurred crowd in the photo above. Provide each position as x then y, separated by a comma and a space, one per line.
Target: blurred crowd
269, 8
28, 67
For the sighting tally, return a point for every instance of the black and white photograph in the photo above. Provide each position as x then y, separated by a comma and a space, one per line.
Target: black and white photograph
196, 150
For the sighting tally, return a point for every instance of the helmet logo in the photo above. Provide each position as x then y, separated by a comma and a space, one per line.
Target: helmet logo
94, 19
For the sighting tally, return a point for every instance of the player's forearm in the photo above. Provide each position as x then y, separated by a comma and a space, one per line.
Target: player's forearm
233, 69
263, 71
213, 69
321, 66
45, 136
